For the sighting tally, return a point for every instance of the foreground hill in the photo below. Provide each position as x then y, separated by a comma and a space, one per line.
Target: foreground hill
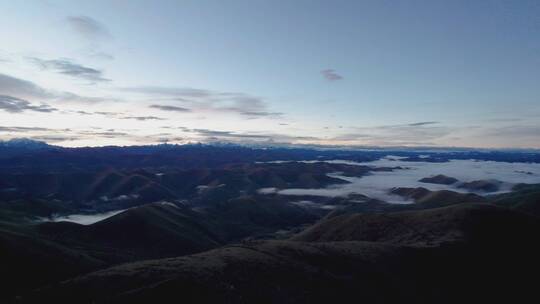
29, 261
149, 231
429, 227
474, 257
45, 253
525, 198
262, 272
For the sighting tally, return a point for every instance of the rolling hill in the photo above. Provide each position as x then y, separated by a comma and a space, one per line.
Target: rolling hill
428, 227
471, 258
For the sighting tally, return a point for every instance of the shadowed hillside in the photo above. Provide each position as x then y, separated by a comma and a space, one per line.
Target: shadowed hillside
150, 231
436, 255
112, 189
427, 198
429, 227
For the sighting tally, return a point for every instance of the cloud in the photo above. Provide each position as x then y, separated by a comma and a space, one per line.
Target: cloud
170, 139
69, 68
24, 129
143, 118
54, 138
261, 114
106, 134
208, 101
110, 114
420, 133
179, 93
514, 131
227, 134
26, 90
119, 115
17, 105
331, 75
21, 88
100, 55
88, 28
423, 123
169, 108
83, 113
246, 138
72, 97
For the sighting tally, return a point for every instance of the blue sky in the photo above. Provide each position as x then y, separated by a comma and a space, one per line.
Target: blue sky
388, 73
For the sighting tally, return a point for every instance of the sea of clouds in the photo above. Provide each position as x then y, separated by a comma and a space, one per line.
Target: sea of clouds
378, 184
85, 219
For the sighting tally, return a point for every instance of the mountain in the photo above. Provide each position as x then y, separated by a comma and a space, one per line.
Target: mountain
113, 189
478, 252
425, 197
524, 198
150, 231
197, 156
196, 228
439, 179
482, 185
429, 227
24, 144
30, 261
261, 272
258, 216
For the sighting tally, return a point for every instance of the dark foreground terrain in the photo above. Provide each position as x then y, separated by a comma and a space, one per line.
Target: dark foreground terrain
467, 251
226, 243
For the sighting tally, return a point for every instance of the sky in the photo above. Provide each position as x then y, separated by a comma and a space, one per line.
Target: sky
345, 73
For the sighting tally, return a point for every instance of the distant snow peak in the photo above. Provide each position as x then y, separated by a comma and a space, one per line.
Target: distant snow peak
26, 143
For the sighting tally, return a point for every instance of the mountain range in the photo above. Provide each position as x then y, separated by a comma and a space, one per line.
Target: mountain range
192, 224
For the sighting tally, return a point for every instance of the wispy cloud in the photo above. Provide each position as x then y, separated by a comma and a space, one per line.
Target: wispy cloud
208, 135
17, 105
169, 108
423, 123
24, 129
171, 91
143, 118
107, 113
88, 27
227, 134
207, 101
20, 88
27, 90
419, 133
72, 69
514, 131
331, 75
253, 115
54, 138
117, 115
96, 54
106, 134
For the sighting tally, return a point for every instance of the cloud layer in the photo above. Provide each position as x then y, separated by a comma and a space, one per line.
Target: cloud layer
378, 184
